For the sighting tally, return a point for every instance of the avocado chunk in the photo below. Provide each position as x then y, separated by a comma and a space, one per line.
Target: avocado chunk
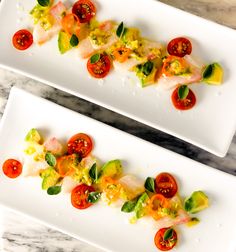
139, 209
50, 178
64, 42
197, 202
213, 74
33, 136
112, 168
147, 72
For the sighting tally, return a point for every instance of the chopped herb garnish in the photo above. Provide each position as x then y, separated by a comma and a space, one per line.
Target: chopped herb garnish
95, 58
93, 197
168, 234
183, 92
50, 159
54, 190
74, 41
147, 68
150, 184
129, 206
94, 173
120, 30
44, 3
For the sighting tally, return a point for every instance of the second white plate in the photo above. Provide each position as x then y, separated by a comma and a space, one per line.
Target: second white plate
101, 225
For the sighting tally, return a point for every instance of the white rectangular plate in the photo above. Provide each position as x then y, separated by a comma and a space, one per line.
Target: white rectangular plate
101, 225
210, 124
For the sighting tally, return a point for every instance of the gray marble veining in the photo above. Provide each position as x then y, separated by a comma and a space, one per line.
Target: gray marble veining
18, 233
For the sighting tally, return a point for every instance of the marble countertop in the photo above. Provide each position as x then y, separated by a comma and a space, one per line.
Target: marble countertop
21, 234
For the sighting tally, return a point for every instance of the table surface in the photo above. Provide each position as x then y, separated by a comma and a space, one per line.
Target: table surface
18, 233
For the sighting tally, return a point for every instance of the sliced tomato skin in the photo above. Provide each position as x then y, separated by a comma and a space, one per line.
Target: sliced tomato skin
183, 104
79, 196
179, 47
101, 68
80, 144
166, 185
71, 25
84, 10
12, 168
22, 39
165, 245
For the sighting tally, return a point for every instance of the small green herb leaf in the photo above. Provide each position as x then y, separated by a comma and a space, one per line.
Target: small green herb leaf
183, 92
168, 234
95, 58
147, 68
94, 173
150, 184
44, 3
74, 41
208, 71
120, 29
129, 206
50, 159
53, 190
93, 197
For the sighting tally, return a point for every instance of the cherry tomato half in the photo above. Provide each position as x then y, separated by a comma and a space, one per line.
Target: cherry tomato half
100, 68
70, 24
80, 144
79, 196
183, 104
162, 244
66, 165
22, 39
84, 10
12, 168
156, 203
166, 185
179, 47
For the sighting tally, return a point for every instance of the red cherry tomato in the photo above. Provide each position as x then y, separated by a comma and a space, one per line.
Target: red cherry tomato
79, 196
80, 144
12, 168
179, 47
168, 244
100, 68
166, 185
183, 104
22, 39
84, 10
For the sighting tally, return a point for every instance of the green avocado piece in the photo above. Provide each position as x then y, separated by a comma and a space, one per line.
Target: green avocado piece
50, 178
33, 136
64, 42
140, 205
112, 168
213, 74
147, 72
197, 202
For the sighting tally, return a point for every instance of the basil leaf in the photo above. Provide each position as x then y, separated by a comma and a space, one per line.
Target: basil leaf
168, 234
150, 184
129, 206
44, 3
120, 30
147, 68
95, 58
183, 92
93, 197
94, 173
74, 41
208, 71
53, 190
50, 159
